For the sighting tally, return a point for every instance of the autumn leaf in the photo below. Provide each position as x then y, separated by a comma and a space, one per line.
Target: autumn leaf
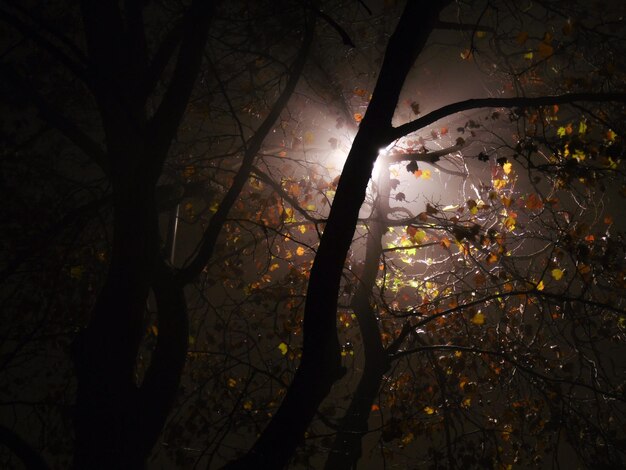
534, 202
521, 38
478, 319
76, 272
429, 410
247, 405
557, 274
425, 175
545, 50
466, 54
300, 251
507, 167
444, 130
358, 117
412, 166
492, 258
430, 209
541, 285
283, 348
360, 92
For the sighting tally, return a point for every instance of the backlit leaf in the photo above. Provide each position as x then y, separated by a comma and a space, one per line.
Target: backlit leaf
557, 274
283, 348
478, 319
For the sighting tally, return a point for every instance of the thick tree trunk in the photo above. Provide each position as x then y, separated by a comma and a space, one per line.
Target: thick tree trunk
321, 358
346, 450
106, 409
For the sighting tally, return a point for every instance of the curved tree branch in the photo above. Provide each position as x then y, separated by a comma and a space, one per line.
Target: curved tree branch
517, 102
207, 245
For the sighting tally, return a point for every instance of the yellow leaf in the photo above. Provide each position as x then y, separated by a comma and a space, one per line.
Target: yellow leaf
408, 438
299, 251
283, 348
528, 56
247, 405
499, 184
557, 274
425, 174
76, 272
232, 383
302, 228
290, 219
478, 319
540, 286
507, 167
429, 410
610, 135
274, 267
419, 236
582, 128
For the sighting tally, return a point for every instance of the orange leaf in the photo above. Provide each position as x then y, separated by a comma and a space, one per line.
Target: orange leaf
522, 37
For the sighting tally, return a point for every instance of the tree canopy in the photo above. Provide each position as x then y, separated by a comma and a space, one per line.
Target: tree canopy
357, 234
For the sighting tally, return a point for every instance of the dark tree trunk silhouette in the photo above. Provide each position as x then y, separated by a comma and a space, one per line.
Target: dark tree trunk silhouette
347, 449
320, 366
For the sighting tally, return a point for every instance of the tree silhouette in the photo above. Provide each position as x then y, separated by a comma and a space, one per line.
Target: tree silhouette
490, 317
